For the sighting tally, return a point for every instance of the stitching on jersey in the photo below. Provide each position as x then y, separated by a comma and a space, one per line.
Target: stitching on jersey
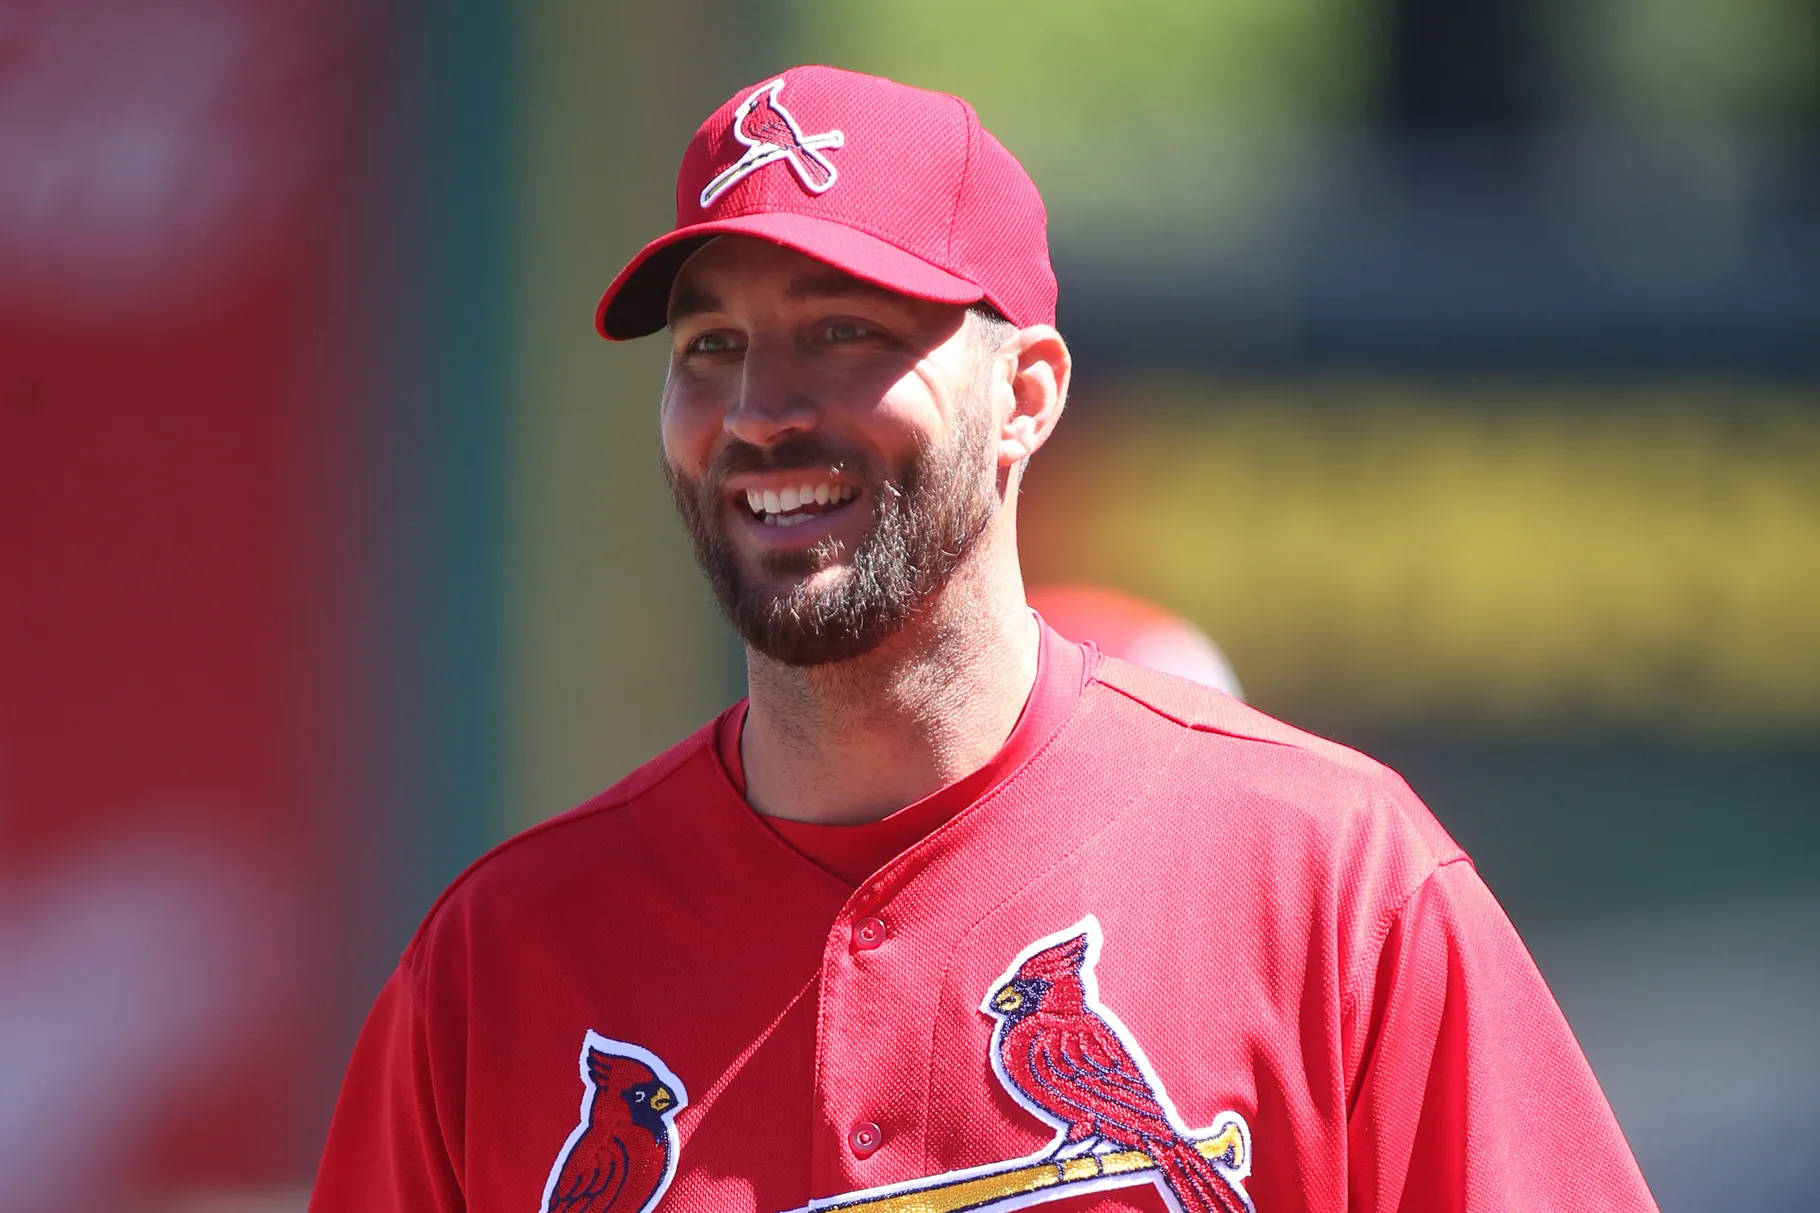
627, 790
418, 1017
817, 1150
1303, 745
879, 881
948, 969
1349, 998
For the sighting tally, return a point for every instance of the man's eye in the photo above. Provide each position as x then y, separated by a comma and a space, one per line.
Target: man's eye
846, 330
710, 343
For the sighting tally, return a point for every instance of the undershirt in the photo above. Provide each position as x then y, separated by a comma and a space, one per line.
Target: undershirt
853, 852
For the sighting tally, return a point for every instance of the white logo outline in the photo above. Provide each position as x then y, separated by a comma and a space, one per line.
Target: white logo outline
594, 1041
760, 152
1236, 1171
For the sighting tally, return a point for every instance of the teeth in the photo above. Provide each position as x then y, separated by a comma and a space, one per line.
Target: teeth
779, 508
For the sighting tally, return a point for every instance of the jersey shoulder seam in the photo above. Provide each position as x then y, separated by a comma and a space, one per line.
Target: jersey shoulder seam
1307, 743
1380, 931
1377, 785
635, 784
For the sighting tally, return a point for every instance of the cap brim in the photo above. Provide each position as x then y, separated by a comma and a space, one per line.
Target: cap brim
637, 301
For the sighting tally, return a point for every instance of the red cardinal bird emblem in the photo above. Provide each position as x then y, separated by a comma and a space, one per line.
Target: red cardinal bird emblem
770, 134
622, 1155
1063, 1055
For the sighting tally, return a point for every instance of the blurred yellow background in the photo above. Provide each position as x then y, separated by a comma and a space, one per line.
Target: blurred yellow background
1541, 560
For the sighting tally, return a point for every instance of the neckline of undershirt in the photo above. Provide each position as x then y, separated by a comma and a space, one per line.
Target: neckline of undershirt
851, 853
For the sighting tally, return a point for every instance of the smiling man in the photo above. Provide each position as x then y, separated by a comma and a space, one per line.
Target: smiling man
950, 913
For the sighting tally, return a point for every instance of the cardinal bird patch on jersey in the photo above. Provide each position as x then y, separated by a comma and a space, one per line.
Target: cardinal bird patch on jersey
1063, 1055
770, 134
622, 1155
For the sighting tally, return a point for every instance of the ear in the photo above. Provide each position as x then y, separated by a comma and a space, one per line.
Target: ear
1040, 367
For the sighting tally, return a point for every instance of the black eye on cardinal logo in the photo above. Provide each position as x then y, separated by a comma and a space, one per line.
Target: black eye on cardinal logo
648, 1102
1019, 998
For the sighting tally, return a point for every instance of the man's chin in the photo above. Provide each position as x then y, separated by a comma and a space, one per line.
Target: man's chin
806, 622
806, 650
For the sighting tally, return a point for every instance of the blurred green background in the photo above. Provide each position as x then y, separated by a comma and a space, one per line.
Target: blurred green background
1455, 366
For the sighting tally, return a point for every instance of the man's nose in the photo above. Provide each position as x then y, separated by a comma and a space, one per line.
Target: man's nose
776, 401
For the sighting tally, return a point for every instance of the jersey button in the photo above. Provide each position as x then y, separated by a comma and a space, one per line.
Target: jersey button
865, 1138
868, 933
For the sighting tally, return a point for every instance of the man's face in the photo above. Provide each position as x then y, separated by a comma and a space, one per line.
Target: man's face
829, 445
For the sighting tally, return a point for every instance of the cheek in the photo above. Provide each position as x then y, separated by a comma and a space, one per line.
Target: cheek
688, 424
921, 404
958, 413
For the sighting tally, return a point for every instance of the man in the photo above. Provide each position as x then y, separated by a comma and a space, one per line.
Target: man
951, 913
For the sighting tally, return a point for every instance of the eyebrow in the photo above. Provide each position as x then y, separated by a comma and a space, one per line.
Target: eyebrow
694, 300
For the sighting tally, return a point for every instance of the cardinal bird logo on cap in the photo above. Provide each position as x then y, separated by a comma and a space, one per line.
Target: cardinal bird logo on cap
622, 1156
770, 134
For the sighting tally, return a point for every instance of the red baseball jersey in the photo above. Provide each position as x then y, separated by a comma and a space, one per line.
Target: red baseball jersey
1169, 955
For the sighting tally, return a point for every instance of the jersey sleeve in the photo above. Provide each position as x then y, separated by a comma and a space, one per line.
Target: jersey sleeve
389, 1143
1471, 1094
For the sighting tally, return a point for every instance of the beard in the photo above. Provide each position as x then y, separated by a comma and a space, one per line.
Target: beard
928, 515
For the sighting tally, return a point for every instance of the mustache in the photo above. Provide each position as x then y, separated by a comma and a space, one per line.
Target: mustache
798, 453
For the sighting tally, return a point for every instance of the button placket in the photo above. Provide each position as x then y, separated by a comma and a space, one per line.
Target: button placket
857, 984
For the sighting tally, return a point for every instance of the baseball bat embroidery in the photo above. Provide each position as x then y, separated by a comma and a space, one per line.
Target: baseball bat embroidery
1068, 1060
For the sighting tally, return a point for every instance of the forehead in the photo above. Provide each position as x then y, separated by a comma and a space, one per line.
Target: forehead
730, 267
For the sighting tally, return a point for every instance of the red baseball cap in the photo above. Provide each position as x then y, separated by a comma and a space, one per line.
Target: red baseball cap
899, 186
